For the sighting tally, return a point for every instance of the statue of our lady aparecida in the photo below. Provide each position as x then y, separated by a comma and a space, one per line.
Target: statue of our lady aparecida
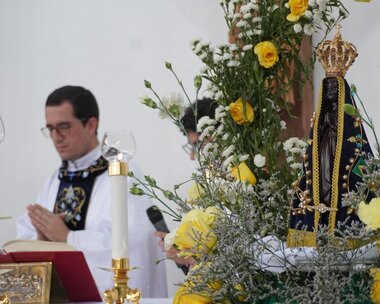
333, 162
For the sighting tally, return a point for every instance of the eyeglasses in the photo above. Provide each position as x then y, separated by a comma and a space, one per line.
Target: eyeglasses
62, 129
191, 147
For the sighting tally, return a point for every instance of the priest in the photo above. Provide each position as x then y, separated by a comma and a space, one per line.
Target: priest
74, 205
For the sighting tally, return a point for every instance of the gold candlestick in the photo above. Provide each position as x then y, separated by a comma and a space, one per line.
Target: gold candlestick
121, 292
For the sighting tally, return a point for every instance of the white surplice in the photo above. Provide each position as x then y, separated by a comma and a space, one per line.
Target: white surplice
96, 241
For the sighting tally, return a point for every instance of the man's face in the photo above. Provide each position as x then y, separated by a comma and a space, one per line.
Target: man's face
192, 139
78, 139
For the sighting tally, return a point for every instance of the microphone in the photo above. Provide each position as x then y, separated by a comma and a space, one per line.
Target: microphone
157, 219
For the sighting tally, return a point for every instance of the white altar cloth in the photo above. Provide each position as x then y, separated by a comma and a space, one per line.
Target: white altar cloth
142, 301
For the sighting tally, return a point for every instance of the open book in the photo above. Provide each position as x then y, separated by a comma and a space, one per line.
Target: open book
69, 264
35, 245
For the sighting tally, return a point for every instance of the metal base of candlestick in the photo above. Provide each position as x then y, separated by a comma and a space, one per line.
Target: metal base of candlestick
121, 292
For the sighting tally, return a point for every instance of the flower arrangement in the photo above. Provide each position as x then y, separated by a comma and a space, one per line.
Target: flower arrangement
235, 221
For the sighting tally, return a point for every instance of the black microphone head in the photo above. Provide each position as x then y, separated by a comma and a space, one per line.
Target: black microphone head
157, 219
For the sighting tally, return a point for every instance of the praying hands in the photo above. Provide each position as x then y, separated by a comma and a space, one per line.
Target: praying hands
49, 226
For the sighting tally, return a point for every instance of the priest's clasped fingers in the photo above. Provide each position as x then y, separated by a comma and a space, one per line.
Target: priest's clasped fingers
49, 224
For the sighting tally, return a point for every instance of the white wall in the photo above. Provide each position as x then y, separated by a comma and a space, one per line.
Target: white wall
110, 47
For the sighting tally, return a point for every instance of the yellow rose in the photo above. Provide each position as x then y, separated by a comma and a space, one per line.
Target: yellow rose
297, 9
195, 232
369, 214
182, 297
375, 290
241, 113
195, 192
243, 173
267, 53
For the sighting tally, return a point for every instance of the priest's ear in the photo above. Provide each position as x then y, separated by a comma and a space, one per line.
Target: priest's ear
92, 125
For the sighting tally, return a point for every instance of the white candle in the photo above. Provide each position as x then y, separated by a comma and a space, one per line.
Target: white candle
119, 194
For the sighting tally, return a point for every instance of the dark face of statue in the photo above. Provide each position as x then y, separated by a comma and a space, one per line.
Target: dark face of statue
330, 92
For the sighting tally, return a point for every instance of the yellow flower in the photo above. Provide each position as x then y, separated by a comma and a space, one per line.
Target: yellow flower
241, 113
195, 232
243, 173
375, 290
195, 192
241, 297
297, 9
182, 297
267, 53
369, 214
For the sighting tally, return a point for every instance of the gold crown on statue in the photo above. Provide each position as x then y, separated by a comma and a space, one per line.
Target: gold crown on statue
337, 55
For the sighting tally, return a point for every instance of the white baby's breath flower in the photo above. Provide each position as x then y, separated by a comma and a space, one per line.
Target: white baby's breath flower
311, 2
308, 29
233, 47
227, 56
286, 4
217, 58
240, 35
297, 28
283, 125
243, 158
220, 129
219, 113
207, 148
206, 133
226, 136
290, 159
202, 56
296, 166
204, 121
296, 150
218, 95
257, 32
228, 161
233, 63
322, 4
244, 8
252, 6
249, 33
247, 15
204, 68
208, 94
257, 19
227, 152
259, 160
273, 8
308, 14
241, 23
247, 47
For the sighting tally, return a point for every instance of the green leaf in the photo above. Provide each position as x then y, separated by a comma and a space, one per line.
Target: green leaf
136, 191
351, 110
168, 194
147, 84
197, 82
150, 102
150, 180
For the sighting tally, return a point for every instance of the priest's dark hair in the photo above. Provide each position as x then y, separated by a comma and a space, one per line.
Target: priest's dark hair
82, 100
200, 108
